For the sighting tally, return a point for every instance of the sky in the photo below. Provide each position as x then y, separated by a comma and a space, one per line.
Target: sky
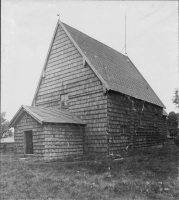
27, 27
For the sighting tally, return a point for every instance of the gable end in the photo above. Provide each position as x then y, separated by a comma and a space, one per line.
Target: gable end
85, 60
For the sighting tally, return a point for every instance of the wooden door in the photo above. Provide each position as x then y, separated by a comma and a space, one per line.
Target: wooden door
28, 142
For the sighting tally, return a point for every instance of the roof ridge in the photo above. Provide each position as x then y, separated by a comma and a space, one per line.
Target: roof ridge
95, 40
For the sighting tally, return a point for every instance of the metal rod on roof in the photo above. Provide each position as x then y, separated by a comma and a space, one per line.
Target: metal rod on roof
58, 15
125, 35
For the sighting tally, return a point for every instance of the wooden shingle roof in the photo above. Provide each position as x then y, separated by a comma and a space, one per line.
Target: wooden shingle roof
47, 115
116, 69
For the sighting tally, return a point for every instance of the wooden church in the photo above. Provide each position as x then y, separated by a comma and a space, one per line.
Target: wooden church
90, 99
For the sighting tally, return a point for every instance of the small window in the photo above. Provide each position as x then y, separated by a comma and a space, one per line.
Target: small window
64, 101
64, 97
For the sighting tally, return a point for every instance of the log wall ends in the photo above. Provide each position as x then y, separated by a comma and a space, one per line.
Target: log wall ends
67, 78
63, 141
133, 122
26, 123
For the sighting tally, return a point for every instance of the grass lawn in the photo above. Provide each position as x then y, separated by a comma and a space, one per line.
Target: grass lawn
151, 174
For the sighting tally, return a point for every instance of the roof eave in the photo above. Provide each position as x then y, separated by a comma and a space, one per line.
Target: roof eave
46, 59
162, 105
12, 122
139, 99
18, 114
32, 114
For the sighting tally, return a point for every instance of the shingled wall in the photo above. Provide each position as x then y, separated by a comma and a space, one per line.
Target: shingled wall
66, 74
25, 123
63, 140
135, 122
50, 141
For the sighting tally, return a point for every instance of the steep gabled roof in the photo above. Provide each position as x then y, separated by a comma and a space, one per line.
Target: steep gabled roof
115, 70
47, 115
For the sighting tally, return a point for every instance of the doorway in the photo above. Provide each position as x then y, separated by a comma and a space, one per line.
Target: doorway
28, 142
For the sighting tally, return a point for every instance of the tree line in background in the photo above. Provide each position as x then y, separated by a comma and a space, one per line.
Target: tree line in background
175, 98
172, 122
5, 130
175, 125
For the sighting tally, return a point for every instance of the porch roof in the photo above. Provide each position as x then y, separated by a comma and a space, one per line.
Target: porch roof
47, 115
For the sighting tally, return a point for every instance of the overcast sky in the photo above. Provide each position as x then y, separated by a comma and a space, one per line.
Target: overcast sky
27, 28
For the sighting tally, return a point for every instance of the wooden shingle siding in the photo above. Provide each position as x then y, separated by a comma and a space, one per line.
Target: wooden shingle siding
55, 71
87, 78
28, 123
69, 84
9, 147
66, 74
137, 118
63, 141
